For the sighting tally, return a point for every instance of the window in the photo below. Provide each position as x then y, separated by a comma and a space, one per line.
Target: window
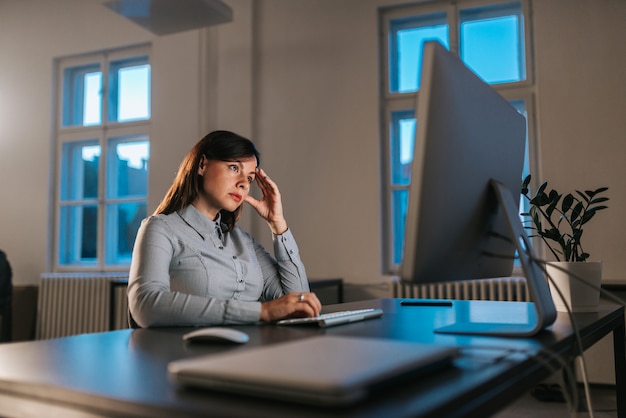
491, 37
103, 151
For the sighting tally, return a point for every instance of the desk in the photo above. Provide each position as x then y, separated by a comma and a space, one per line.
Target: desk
124, 372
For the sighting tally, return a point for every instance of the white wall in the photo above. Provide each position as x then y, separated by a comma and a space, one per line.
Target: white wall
581, 64
301, 78
32, 34
317, 123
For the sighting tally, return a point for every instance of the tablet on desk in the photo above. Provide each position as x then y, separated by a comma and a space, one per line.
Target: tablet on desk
323, 370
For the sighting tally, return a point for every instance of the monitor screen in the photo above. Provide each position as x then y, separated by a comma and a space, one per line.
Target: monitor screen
468, 140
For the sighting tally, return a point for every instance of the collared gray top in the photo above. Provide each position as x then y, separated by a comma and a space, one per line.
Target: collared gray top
185, 271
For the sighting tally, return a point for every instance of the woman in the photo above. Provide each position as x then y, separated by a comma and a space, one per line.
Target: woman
192, 266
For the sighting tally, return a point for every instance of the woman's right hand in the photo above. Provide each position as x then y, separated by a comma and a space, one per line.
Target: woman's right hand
292, 305
270, 206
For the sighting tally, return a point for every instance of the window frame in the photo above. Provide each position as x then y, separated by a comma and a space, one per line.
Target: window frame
391, 102
103, 133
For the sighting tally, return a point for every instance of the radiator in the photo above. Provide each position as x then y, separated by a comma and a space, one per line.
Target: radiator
78, 303
512, 289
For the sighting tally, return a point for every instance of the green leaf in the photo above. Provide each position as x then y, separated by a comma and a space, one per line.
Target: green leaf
541, 199
583, 257
577, 235
537, 221
600, 207
552, 234
576, 212
554, 196
542, 188
592, 193
525, 184
582, 195
567, 202
587, 216
598, 200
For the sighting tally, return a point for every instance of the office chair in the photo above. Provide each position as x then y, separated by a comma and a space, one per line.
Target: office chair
6, 297
131, 321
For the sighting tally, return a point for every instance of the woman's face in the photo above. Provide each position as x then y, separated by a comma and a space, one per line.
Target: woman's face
225, 184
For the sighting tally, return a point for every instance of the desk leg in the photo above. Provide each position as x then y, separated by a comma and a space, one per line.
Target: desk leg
619, 347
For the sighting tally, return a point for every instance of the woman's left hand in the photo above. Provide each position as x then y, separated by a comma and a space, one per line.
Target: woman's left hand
292, 305
270, 206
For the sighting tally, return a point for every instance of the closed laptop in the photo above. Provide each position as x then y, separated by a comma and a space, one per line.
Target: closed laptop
330, 370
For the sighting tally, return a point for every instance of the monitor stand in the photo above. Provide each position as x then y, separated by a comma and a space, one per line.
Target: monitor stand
537, 285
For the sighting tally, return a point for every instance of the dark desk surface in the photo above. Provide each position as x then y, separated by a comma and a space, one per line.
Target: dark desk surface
124, 372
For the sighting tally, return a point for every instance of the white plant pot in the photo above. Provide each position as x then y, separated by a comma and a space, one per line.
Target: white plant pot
579, 296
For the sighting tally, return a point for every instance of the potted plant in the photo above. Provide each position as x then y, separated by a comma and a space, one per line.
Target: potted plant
558, 220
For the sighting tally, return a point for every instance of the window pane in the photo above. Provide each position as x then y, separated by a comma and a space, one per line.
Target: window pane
92, 102
79, 170
78, 235
520, 105
492, 43
399, 209
82, 95
407, 37
130, 90
122, 222
402, 145
128, 167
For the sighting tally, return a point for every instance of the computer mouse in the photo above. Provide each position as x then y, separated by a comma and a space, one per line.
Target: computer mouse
217, 334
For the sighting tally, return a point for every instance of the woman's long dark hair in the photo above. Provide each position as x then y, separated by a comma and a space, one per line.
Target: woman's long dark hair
218, 145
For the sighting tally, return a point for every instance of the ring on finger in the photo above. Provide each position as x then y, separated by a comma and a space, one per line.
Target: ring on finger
301, 297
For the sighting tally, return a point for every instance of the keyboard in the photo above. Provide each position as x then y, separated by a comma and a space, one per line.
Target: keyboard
334, 318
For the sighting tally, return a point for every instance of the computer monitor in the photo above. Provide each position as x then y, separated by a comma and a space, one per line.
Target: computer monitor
463, 219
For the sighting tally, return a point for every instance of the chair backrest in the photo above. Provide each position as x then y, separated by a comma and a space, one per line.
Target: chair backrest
131, 321
6, 297
6, 276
